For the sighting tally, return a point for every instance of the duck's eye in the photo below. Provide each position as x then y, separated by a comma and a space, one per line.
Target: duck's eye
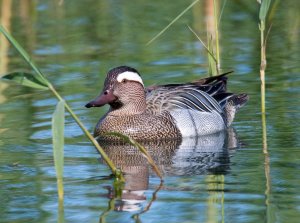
105, 92
124, 81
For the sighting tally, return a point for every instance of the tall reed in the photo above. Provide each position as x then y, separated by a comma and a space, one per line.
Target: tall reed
264, 8
172, 22
38, 80
216, 19
58, 123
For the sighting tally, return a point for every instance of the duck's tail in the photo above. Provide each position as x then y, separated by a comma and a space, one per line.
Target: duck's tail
234, 103
212, 79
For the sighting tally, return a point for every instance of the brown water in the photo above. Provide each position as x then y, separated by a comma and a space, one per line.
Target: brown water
221, 178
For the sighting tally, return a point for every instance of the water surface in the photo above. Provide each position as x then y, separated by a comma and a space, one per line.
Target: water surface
214, 179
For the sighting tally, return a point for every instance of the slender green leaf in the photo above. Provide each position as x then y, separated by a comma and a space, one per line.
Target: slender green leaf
58, 121
212, 62
264, 8
173, 21
39, 76
216, 37
42, 79
222, 10
25, 79
208, 51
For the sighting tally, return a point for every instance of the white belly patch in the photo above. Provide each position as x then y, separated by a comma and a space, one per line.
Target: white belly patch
192, 123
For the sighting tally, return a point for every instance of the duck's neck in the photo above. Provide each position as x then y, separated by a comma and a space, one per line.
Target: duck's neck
136, 105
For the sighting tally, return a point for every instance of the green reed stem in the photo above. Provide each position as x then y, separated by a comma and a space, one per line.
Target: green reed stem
264, 8
86, 132
217, 36
263, 64
172, 22
27, 58
24, 54
207, 49
61, 212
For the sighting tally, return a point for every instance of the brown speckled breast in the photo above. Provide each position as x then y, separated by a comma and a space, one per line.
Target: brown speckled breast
139, 127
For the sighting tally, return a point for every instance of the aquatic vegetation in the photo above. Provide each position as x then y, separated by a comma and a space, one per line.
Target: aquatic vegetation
265, 4
58, 124
213, 46
264, 8
26, 79
39, 81
172, 22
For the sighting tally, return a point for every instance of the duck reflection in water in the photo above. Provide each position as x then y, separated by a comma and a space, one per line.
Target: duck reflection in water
208, 154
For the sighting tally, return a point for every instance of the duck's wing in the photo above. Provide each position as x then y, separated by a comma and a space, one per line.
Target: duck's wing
197, 95
194, 99
210, 85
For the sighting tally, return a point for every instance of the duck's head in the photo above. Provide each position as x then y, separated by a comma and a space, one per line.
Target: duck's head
123, 85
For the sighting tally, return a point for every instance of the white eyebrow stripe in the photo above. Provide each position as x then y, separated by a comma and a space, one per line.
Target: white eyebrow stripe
131, 76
